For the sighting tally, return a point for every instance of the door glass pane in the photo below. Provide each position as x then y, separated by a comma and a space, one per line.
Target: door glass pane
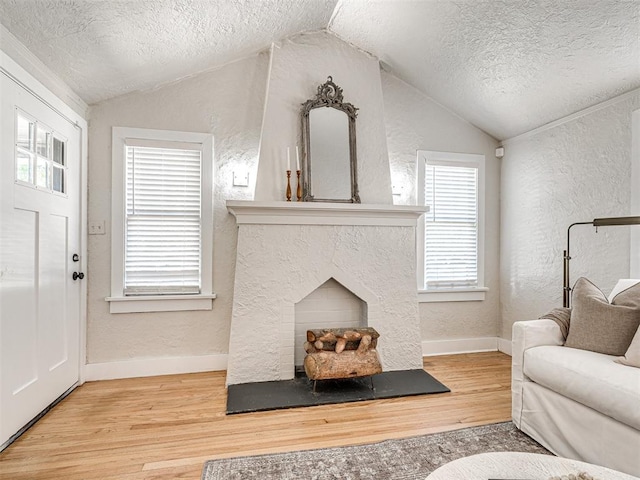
58, 151
24, 166
42, 173
43, 143
25, 133
58, 178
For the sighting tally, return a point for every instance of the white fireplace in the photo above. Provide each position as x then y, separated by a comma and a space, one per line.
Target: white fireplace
287, 250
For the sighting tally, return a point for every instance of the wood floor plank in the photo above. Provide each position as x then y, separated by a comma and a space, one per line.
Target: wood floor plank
159, 428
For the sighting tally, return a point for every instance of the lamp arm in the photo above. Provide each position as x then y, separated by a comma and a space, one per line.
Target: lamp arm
566, 291
596, 222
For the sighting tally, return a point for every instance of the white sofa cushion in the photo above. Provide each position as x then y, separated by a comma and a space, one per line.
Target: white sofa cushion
632, 357
591, 378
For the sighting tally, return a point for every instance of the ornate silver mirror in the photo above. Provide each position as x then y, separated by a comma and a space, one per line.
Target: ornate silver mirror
329, 165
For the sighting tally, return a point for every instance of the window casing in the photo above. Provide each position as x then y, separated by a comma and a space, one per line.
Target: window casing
162, 221
451, 235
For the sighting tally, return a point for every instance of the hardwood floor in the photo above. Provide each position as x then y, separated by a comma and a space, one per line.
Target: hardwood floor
167, 427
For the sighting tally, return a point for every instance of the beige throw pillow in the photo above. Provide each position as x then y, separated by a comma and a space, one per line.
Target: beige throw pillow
600, 326
562, 316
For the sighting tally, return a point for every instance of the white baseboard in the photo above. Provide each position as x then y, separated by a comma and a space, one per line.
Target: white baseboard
504, 346
148, 367
463, 345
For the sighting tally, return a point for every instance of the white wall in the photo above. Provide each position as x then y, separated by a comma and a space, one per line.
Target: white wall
415, 122
228, 102
576, 171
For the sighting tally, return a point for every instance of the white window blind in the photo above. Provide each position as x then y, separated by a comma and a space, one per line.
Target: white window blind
451, 226
163, 221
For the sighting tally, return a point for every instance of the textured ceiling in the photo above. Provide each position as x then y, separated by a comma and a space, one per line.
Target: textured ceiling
104, 48
507, 66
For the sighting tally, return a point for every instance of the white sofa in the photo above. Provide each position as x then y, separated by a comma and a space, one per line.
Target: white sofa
577, 403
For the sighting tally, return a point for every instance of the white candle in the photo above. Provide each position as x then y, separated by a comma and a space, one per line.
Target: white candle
297, 158
288, 158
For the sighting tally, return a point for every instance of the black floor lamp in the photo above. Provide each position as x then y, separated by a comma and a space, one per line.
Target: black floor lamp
596, 222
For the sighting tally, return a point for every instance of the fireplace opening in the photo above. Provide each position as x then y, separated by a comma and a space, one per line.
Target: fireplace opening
331, 305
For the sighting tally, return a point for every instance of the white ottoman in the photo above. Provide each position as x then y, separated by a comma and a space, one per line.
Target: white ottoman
516, 465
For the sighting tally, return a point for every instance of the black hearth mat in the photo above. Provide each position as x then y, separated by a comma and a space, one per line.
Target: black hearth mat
259, 396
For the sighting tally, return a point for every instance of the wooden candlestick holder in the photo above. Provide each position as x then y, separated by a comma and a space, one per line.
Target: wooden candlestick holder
299, 189
288, 185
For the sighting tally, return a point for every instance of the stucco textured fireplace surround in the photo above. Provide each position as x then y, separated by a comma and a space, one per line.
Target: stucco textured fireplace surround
286, 250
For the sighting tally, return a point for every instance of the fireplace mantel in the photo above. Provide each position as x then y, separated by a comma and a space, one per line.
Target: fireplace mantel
321, 213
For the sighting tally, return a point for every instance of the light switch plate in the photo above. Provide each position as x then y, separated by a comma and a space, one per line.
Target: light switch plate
96, 228
241, 179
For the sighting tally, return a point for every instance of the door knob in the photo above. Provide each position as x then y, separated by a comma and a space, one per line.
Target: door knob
78, 275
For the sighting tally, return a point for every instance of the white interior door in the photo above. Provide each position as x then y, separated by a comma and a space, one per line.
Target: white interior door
39, 235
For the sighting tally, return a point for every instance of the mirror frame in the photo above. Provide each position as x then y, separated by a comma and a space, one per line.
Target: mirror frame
329, 95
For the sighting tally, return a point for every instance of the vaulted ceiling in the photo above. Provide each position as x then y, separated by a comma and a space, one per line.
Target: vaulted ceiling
507, 66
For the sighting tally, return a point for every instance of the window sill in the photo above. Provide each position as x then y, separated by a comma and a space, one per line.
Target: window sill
160, 303
452, 295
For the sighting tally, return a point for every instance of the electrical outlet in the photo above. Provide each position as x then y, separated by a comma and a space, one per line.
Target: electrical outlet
96, 228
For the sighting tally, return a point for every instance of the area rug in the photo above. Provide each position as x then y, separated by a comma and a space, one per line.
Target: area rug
404, 459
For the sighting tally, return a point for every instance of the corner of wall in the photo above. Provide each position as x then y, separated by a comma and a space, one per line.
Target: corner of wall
634, 267
578, 167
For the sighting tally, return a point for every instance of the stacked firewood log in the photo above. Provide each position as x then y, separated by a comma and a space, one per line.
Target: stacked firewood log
341, 353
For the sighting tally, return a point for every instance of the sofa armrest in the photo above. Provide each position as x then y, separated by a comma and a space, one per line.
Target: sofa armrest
525, 335
533, 333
